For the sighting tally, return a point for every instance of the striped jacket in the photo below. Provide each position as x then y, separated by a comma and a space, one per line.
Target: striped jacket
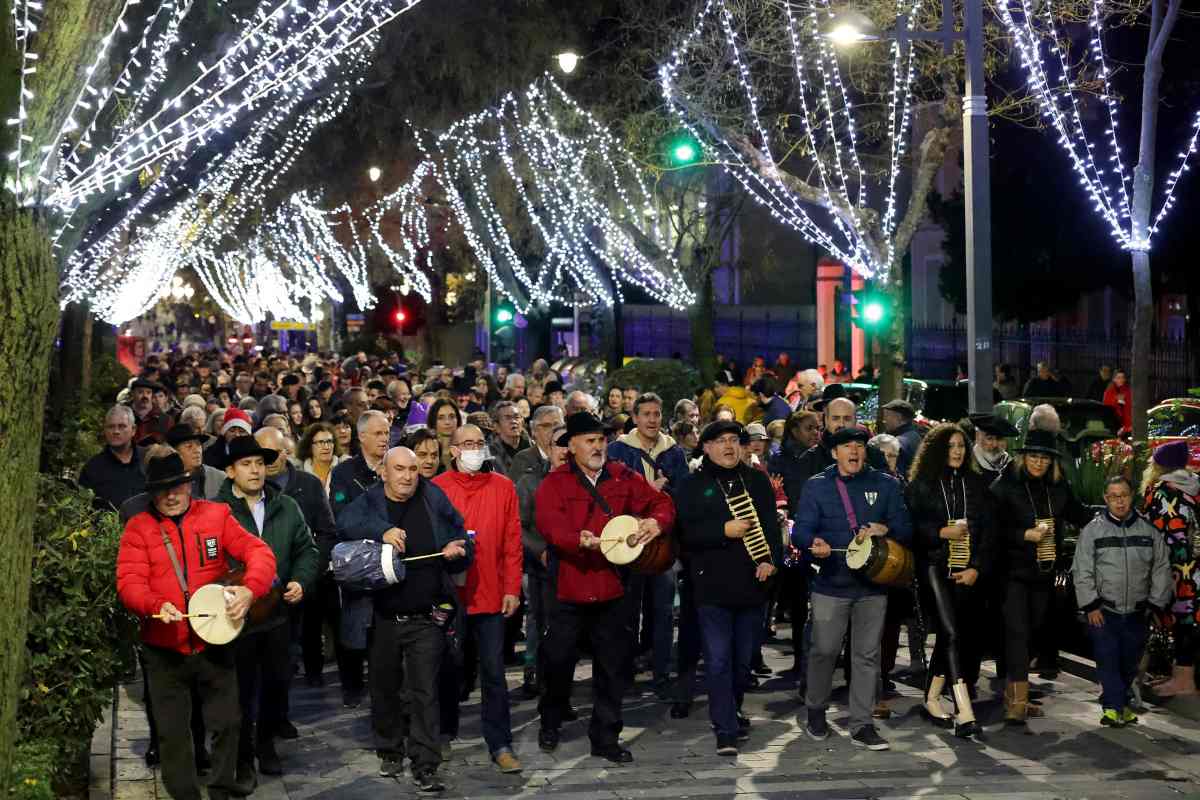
1121, 565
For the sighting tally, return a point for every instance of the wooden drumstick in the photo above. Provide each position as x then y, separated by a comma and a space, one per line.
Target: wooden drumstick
419, 558
163, 617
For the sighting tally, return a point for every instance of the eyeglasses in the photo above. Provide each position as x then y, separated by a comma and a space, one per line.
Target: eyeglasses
471, 445
322, 442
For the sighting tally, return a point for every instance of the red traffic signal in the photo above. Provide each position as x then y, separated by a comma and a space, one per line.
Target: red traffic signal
400, 316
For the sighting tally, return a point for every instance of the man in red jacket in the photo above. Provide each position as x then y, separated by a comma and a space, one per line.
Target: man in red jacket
196, 535
488, 503
573, 504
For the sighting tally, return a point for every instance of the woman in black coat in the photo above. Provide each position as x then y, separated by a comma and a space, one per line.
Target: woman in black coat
954, 543
1033, 500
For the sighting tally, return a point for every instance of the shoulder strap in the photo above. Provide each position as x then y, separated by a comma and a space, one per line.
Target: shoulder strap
846, 504
175, 562
646, 457
593, 491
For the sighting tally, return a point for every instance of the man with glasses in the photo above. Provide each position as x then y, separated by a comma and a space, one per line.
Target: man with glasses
487, 502
1122, 571
509, 439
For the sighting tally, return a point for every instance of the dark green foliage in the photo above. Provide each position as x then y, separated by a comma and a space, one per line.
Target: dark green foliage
34, 767
80, 637
68, 445
670, 379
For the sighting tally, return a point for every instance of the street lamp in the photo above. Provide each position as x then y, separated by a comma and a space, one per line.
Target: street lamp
568, 60
850, 26
374, 173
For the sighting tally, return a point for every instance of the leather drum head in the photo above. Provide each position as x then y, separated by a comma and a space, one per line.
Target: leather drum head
217, 628
614, 540
859, 553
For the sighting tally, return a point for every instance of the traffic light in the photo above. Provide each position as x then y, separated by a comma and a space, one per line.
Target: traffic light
401, 316
682, 150
871, 310
502, 316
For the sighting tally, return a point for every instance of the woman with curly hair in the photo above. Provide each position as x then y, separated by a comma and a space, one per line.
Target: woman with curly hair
953, 540
1172, 494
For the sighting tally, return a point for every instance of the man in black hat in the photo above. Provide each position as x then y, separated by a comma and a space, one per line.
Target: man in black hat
572, 506
991, 445
262, 648
190, 446
898, 416
847, 503
115, 474
151, 424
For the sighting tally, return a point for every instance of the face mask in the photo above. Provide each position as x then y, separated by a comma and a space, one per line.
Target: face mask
472, 460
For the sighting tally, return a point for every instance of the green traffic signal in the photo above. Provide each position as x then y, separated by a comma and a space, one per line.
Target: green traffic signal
872, 310
683, 150
504, 316
873, 313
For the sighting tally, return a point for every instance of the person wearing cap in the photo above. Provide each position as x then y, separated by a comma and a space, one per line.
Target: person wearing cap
262, 649
990, 451
1122, 573
847, 501
573, 504
198, 535
234, 424
766, 392
1171, 494
190, 445
151, 423
115, 473
898, 416
1033, 501
729, 586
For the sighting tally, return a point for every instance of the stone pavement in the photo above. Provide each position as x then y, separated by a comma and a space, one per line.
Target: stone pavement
1065, 755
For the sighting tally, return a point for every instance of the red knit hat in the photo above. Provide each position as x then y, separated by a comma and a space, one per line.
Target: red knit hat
235, 418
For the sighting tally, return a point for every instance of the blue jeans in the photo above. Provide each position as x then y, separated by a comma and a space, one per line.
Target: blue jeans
487, 630
729, 634
1117, 646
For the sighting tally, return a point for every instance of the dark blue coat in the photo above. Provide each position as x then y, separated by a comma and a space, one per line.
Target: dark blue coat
875, 497
671, 462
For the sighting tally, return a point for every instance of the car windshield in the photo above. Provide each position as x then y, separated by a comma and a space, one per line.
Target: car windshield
1175, 420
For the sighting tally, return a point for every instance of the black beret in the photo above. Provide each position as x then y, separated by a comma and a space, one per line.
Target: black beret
850, 434
714, 430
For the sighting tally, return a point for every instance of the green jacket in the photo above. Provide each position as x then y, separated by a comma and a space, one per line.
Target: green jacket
285, 530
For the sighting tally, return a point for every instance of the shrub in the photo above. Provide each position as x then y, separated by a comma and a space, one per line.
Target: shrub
69, 442
34, 768
670, 379
80, 637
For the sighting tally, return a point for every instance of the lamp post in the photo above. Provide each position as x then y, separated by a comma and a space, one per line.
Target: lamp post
851, 26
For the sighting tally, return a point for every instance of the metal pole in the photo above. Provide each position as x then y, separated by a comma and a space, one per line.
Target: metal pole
487, 323
978, 190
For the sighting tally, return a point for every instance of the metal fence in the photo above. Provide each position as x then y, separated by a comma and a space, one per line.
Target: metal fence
936, 352
740, 332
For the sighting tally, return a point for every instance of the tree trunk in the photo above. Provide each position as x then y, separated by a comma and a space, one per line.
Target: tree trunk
616, 353
1139, 351
29, 295
892, 345
700, 319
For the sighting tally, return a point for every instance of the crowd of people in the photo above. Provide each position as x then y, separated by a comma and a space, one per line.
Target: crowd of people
513, 497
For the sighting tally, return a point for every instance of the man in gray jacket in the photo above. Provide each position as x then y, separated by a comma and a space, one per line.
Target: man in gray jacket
1121, 571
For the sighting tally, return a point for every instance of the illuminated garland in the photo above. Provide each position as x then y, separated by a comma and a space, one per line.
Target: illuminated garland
24, 26
1057, 95
827, 127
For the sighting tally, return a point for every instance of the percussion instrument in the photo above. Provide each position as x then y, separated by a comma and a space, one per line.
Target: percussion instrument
617, 543
742, 507
960, 549
881, 560
1047, 550
262, 608
208, 615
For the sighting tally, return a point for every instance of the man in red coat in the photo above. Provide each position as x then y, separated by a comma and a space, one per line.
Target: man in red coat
573, 504
196, 535
488, 504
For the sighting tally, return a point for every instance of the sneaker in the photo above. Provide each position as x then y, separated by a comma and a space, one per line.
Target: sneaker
817, 728
391, 767
428, 782
726, 746
1128, 717
743, 723
867, 737
547, 740
506, 761
1111, 718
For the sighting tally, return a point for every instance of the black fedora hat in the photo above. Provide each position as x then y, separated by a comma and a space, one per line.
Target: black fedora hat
183, 433
993, 425
579, 424
245, 447
831, 392
1037, 441
165, 472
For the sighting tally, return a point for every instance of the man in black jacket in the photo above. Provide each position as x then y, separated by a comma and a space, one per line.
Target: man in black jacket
115, 474
840, 412
728, 571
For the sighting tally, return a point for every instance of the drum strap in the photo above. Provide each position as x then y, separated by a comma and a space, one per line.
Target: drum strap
175, 564
594, 492
850, 515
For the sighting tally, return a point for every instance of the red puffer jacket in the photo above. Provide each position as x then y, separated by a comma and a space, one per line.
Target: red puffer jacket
488, 504
563, 508
146, 578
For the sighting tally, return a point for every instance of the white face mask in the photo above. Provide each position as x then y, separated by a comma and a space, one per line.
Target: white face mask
472, 460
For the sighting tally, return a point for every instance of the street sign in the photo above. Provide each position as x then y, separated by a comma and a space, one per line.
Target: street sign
288, 325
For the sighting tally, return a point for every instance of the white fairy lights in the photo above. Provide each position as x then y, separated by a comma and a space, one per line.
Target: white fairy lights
827, 125
1033, 29
24, 14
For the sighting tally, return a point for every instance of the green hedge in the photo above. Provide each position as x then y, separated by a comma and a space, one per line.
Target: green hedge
670, 379
34, 769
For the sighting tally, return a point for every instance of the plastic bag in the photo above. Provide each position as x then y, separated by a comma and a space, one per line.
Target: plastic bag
366, 565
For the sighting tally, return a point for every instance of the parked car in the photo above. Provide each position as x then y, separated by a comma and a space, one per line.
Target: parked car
934, 401
1174, 419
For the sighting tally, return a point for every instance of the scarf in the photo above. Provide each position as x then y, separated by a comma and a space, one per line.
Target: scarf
996, 463
1184, 480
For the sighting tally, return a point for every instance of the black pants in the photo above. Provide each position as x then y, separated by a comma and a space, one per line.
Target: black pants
956, 611
323, 606
212, 674
689, 640
1025, 607
406, 654
199, 737
262, 672
608, 627
795, 590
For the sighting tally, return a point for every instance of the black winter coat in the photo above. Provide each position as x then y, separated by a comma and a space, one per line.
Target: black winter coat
798, 466
1020, 501
932, 506
309, 493
720, 568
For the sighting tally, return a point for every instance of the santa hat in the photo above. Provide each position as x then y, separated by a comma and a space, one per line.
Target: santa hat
235, 418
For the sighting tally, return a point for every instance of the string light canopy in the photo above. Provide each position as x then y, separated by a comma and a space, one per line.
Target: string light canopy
1100, 167
586, 204
849, 225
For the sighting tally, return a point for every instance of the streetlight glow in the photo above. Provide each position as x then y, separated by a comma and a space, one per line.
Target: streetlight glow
851, 26
374, 173
684, 153
568, 61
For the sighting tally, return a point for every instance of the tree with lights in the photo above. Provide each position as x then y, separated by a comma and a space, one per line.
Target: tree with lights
1125, 201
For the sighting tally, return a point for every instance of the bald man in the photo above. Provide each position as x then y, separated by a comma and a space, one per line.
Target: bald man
415, 517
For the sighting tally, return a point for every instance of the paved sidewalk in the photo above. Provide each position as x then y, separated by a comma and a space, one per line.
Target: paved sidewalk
1065, 755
